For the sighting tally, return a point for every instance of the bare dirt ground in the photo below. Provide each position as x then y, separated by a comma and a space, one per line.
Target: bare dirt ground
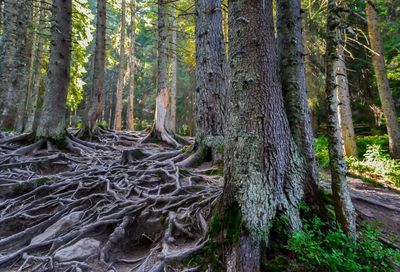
377, 206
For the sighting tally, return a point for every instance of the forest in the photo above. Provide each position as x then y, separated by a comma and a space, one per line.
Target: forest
200, 135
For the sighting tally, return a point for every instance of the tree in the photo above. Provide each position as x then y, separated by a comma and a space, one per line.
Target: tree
171, 113
95, 106
211, 82
344, 209
263, 173
36, 74
160, 130
14, 63
291, 50
52, 124
385, 94
345, 114
131, 100
121, 73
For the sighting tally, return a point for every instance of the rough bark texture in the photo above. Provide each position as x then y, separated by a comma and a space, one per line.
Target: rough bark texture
385, 94
160, 130
344, 209
95, 106
262, 168
52, 123
121, 73
36, 75
345, 115
291, 50
131, 101
14, 68
211, 75
171, 115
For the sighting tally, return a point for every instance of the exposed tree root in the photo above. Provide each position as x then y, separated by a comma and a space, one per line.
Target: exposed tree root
140, 209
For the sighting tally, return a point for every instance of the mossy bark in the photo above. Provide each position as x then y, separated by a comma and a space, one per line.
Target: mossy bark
291, 51
52, 123
211, 76
344, 209
263, 172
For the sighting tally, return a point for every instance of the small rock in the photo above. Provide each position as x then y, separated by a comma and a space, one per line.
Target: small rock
58, 227
79, 251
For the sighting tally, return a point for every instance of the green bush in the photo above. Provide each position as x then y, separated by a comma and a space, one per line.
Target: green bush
332, 250
321, 150
363, 142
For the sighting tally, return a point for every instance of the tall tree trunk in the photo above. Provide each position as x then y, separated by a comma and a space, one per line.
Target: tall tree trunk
36, 74
14, 63
263, 173
343, 206
211, 81
132, 69
52, 123
171, 115
291, 49
345, 115
160, 129
385, 94
1, 20
95, 105
121, 73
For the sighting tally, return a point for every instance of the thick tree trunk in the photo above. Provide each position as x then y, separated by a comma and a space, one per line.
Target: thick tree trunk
345, 115
291, 49
171, 114
36, 75
263, 173
14, 68
95, 105
132, 69
52, 123
211, 79
385, 94
121, 73
344, 209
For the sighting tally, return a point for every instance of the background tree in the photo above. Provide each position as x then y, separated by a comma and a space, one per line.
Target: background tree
385, 94
95, 106
171, 113
131, 99
344, 209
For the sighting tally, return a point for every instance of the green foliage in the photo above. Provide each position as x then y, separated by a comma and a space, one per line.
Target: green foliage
363, 142
321, 150
377, 162
332, 250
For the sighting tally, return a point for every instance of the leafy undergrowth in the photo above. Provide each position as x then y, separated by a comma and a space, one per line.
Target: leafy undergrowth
373, 163
323, 246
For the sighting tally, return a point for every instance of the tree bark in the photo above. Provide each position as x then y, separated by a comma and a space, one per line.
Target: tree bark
263, 173
160, 129
14, 68
121, 73
344, 209
95, 105
345, 115
131, 102
36, 75
52, 123
171, 114
211, 77
291, 49
378, 61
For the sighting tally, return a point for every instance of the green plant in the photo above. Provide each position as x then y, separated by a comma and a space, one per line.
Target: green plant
331, 250
322, 152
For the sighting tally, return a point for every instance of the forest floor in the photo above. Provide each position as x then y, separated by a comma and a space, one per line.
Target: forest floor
121, 205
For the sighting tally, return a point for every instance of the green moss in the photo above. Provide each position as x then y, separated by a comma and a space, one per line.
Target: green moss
220, 150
